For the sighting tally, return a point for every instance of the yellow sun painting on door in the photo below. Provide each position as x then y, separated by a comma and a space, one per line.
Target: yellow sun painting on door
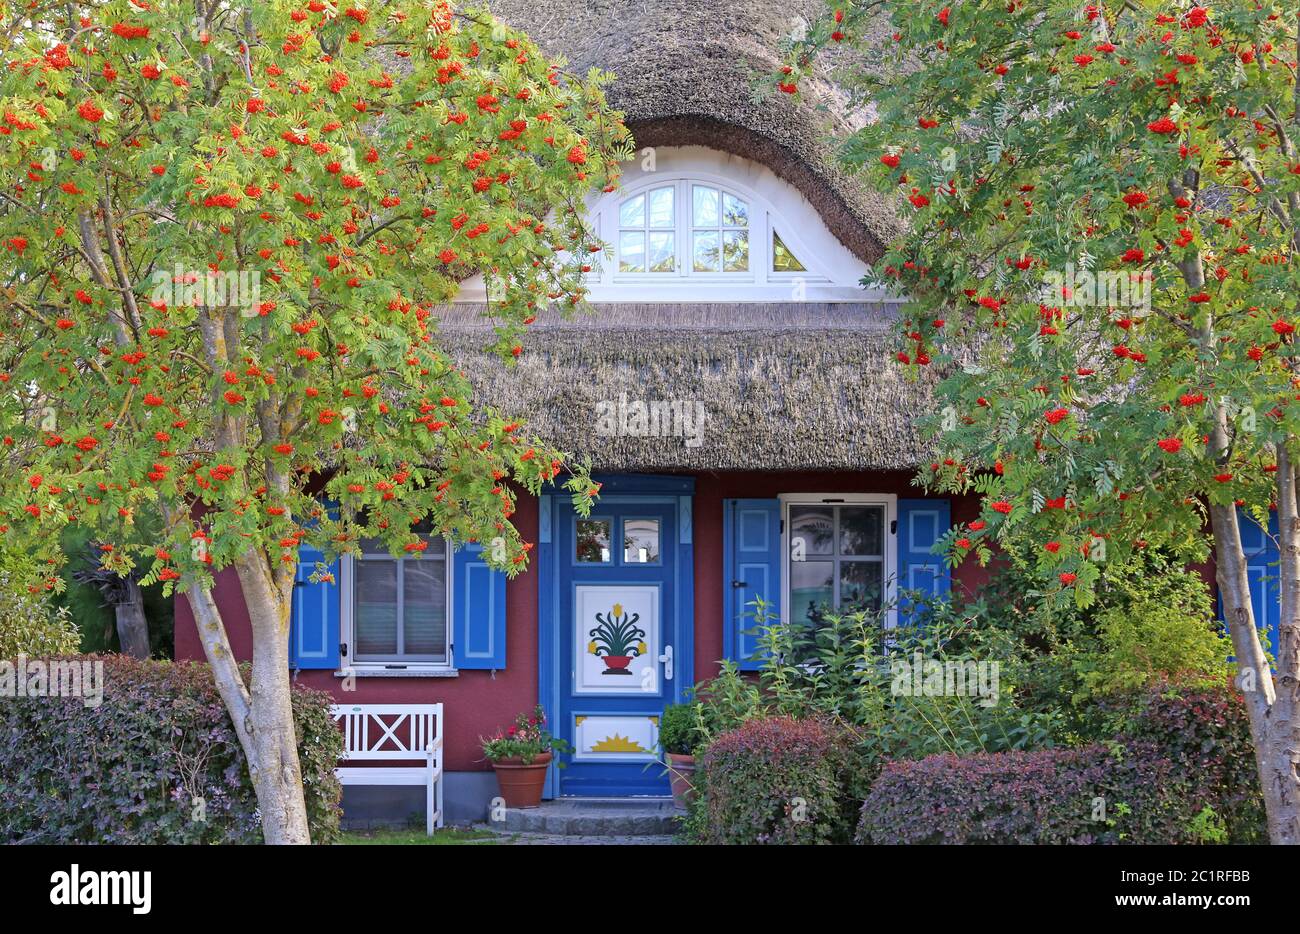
612, 737
618, 743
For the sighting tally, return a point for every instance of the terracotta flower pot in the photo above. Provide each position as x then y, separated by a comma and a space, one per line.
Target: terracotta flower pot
681, 775
520, 784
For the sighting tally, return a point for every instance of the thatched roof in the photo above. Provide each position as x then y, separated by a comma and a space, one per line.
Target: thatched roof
686, 74
787, 386
781, 386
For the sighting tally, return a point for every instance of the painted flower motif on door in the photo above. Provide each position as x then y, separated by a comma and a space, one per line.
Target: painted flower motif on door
616, 639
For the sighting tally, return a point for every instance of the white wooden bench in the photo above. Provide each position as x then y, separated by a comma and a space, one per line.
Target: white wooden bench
394, 732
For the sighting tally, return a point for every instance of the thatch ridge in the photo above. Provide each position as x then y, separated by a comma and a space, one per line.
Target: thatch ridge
686, 75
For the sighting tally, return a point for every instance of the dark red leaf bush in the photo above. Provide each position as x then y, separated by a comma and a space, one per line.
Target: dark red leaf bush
777, 780
1206, 734
1091, 794
133, 769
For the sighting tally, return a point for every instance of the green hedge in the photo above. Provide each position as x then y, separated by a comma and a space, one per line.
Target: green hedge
29, 622
1181, 769
776, 780
131, 770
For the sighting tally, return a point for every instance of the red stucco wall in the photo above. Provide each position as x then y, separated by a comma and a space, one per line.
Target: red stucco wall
477, 702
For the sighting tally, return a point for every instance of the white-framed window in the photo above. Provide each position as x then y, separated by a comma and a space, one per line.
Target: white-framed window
719, 231
638, 540
647, 232
396, 612
701, 229
840, 554
693, 224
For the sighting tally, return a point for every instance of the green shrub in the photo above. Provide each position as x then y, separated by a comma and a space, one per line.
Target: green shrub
1181, 770
677, 730
724, 703
1151, 621
29, 625
157, 761
1156, 624
853, 671
1092, 794
1208, 827
1066, 676
776, 780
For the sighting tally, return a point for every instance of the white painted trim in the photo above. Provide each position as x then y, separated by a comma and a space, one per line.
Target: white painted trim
833, 273
373, 667
888, 500
410, 671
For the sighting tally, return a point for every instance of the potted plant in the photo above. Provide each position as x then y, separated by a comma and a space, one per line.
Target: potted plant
520, 755
679, 736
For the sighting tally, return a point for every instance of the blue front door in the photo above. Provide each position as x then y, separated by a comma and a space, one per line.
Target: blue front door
618, 620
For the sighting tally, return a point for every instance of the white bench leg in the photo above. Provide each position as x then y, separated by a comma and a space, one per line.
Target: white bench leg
439, 792
429, 810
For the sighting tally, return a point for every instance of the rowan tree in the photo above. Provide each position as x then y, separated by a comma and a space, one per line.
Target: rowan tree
226, 230
1102, 218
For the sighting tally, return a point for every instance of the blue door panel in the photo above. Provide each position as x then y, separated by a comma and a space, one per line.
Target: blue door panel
751, 549
594, 688
921, 525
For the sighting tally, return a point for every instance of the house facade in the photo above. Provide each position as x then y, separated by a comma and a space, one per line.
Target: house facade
736, 394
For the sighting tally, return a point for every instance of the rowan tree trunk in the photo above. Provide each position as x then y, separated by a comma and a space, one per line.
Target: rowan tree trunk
261, 710
1271, 727
1284, 743
273, 759
132, 627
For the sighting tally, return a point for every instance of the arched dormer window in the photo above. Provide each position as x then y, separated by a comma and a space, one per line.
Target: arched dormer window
719, 231
701, 225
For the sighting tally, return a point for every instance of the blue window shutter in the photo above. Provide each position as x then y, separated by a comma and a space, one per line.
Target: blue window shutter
751, 546
1262, 570
921, 524
479, 603
314, 617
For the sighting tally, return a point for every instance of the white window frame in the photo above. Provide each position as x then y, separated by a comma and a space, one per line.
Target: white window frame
890, 569
648, 231
759, 283
831, 272
684, 235
347, 623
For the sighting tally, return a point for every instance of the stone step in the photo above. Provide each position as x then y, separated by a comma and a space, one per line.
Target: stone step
593, 817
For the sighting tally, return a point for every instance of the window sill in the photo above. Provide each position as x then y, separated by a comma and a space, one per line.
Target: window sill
369, 672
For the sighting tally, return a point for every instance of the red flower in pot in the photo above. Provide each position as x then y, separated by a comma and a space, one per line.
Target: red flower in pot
520, 755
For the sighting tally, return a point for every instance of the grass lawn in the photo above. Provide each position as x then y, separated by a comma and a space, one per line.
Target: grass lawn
452, 836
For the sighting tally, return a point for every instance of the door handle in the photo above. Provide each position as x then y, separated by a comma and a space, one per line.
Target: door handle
667, 659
